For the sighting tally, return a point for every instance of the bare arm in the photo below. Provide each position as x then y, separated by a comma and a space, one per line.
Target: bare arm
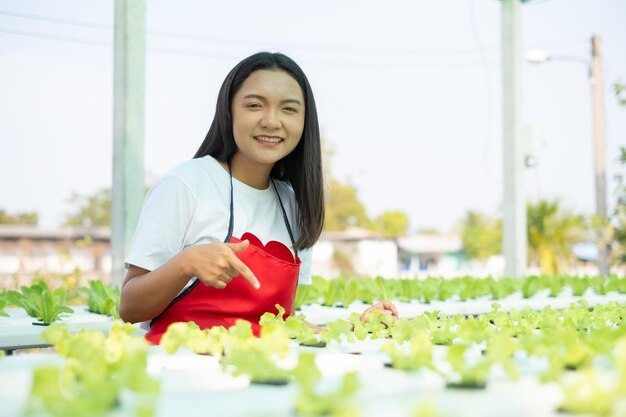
145, 294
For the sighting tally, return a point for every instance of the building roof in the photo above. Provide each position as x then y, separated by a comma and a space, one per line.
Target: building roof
430, 243
351, 234
16, 232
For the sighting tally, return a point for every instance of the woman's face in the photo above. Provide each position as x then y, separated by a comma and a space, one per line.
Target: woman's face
268, 117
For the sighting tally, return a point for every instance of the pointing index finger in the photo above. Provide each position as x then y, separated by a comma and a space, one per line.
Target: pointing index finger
245, 272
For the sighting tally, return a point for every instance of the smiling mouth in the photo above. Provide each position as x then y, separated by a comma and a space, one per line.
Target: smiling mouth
269, 139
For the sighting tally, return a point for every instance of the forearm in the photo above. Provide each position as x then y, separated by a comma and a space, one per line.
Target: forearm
316, 329
144, 297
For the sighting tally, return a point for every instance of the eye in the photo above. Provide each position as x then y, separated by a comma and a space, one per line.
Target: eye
291, 109
253, 105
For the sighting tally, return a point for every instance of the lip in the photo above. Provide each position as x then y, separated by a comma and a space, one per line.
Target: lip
258, 140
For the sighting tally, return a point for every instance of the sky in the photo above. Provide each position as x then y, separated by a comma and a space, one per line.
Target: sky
408, 95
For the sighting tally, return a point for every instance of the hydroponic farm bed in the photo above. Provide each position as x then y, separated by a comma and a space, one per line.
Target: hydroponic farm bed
520, 355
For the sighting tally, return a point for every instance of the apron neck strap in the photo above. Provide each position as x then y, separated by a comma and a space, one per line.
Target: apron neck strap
231, 221
282, 209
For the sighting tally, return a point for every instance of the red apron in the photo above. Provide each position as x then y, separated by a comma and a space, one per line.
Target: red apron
272, 264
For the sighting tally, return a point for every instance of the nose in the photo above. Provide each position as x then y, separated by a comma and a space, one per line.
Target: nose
270, 120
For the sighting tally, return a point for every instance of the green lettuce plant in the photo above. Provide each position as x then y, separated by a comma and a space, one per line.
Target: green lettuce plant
334, 292
531, 286
466, 375
3, 305
40, 302
417, 355
209, 341
578, 285
296, 326
102, 299
310, 402
339, 331
97, 369
257, 357
302, 296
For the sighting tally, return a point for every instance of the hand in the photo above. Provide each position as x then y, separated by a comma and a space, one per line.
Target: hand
385, 307
215, 264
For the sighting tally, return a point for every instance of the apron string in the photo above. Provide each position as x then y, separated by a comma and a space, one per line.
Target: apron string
282, 209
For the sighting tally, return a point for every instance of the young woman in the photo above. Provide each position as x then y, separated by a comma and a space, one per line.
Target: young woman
228, 234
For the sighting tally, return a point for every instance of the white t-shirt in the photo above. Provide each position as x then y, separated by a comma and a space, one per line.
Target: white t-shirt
191, 205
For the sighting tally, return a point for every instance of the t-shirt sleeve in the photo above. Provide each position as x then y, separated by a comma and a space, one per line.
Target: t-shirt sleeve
305, 267
165, 217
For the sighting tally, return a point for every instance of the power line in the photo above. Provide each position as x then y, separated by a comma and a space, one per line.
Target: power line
57, 20
488, 97
56, 37
214, 39
411, 65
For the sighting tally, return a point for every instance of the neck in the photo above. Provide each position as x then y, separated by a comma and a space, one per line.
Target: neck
255, 175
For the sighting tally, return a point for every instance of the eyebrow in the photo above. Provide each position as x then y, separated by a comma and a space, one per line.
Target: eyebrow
259, 97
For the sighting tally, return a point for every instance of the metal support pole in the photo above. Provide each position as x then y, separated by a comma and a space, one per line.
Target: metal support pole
597, 90
514, 238
128, 129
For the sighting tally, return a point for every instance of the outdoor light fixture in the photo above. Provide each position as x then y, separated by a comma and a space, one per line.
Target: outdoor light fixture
594, 68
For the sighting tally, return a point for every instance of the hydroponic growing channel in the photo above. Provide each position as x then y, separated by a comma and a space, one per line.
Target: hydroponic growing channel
464, 347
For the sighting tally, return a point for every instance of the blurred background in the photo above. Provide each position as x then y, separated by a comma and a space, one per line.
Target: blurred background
409, 97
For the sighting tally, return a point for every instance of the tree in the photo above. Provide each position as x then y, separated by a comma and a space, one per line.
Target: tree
391, 223
620, 93
551, 233
343, 207
619, 214
31, 218
92, 210
481, 236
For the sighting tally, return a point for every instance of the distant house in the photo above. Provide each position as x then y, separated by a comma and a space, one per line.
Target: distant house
25, 250
355, 252
423, 254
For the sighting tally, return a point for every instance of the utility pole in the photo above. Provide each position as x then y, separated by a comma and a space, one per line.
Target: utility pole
514, 237
597, 92
594, 67
128, 128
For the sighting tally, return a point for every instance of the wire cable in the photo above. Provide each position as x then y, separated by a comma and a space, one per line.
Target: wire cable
488, 98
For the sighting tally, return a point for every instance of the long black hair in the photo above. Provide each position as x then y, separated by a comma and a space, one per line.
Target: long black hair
302, 167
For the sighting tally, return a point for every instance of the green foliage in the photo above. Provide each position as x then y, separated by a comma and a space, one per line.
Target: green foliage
3, 305
470, 373
481, 235
210, 341
96, 371
30, 218
532, 285
343, 208
40, 302
551, 233
90, 210
391, 223
245, 354
102, 299
417, 355
619, 214
620, 93
333, 293
302, 295
338, 330
255, 362
311, 402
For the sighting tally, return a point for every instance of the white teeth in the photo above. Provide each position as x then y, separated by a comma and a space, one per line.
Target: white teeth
266, 139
